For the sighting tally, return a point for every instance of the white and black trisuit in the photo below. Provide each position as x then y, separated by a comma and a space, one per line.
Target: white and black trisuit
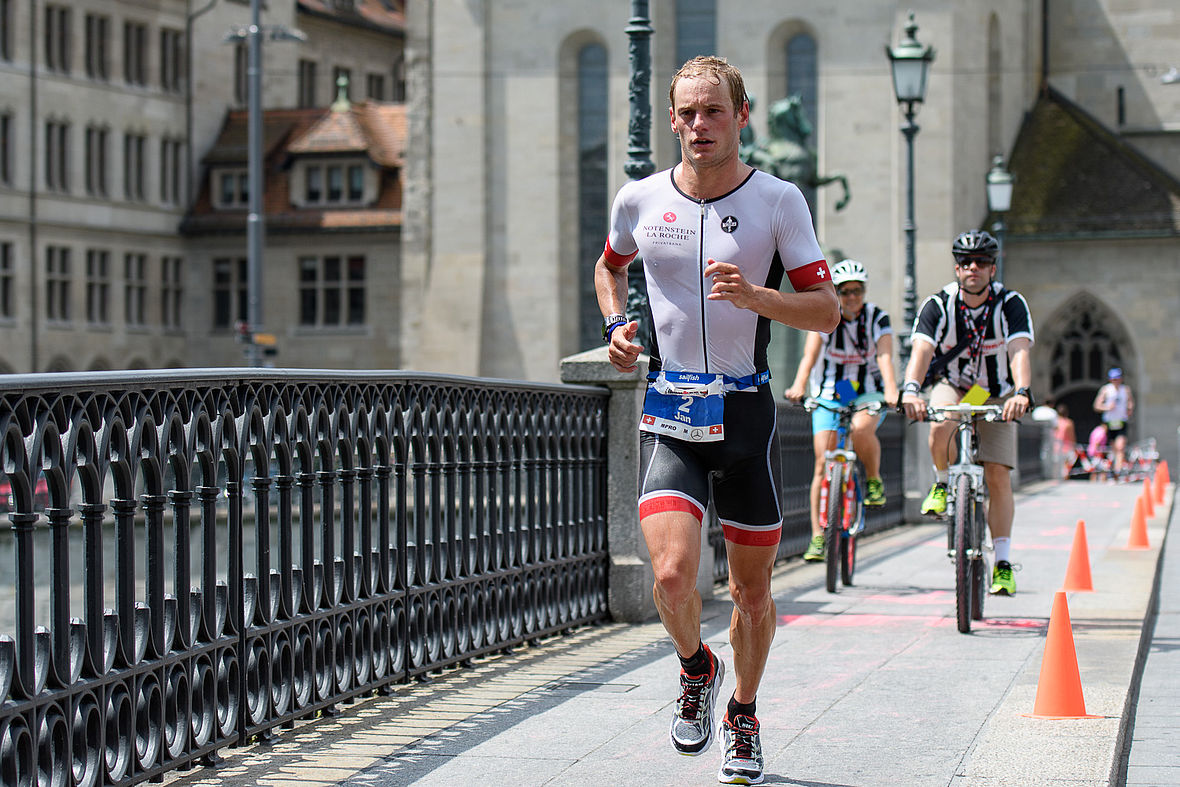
764, 227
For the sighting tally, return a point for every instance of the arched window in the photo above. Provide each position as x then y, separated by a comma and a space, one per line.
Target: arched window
803, 81
696, 29
995, 143
593, 201
1087, 340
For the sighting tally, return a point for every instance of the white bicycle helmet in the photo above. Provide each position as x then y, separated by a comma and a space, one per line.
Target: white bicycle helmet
848, 270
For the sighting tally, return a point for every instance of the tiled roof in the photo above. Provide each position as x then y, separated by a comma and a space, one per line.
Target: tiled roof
376, 130
1075, 177
386, 15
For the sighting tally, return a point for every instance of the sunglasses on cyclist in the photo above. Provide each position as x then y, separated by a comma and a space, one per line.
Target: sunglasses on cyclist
979, 262
850, 291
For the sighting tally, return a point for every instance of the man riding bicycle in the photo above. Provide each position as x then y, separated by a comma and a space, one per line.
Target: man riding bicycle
860, 350
974, 332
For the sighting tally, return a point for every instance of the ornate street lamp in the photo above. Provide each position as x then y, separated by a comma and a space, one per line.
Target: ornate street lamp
999, 201
910, 62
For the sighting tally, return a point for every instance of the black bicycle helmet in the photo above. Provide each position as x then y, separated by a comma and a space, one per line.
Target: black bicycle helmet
975, 243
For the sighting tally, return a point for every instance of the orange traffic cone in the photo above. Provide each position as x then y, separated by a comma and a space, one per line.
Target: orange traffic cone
1148, 499
1138, 539
1077, 574
1059, 689
1161, 481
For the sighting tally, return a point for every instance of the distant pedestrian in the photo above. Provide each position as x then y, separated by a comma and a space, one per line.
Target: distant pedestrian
1065, 438
1117, 404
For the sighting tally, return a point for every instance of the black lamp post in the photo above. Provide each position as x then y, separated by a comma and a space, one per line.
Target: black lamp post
909, 61
639, 163
639, 32
255, 220
999, 201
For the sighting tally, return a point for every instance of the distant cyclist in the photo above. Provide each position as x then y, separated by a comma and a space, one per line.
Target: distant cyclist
860, 350
976, 332
1116, 403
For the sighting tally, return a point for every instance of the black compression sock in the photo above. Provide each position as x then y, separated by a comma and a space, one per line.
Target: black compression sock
744, 708
696, 664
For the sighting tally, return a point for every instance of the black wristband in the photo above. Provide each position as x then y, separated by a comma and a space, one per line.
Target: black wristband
1026, 393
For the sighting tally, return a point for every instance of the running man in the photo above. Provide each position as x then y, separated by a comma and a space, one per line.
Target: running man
716, 237
981, 334
860, 350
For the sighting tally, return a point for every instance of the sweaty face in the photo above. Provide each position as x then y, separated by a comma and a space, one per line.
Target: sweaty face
703, 117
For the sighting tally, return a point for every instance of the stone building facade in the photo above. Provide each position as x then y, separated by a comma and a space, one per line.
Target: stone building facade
107, 112
513, 103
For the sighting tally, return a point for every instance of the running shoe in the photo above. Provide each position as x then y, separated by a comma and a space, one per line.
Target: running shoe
935, 502
874, 492
743, 751
1002, 582
692, 724
815, 549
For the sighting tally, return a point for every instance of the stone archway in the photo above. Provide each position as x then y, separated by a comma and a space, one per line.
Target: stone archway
1082, 340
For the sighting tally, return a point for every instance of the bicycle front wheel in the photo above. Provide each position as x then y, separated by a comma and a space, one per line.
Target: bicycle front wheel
832, 525
964, 525
848, 537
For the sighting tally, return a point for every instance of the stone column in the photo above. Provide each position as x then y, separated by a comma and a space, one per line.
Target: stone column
631, 576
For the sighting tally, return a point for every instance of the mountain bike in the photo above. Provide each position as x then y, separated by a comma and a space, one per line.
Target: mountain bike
966, 510
841, 494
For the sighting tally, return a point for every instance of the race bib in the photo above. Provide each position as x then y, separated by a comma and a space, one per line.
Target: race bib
685, 405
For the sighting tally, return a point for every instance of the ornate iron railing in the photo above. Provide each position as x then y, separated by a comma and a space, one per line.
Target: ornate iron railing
281, 542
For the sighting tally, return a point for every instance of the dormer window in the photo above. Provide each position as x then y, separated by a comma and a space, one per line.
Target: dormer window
334, 184
233, 188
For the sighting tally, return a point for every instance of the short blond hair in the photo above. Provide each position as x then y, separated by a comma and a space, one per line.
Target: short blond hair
716, 69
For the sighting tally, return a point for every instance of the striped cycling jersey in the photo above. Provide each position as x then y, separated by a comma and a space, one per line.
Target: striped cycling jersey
942, 321
763, 226
850, 353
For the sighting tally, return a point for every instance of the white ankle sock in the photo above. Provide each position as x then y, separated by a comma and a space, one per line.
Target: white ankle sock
1003, 547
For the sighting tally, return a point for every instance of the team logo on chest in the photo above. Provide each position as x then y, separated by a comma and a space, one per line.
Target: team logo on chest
670, 217
729, 223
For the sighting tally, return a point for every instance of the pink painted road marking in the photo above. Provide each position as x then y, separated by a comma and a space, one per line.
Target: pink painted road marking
853, 620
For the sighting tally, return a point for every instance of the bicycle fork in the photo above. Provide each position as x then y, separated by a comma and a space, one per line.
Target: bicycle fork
975, 473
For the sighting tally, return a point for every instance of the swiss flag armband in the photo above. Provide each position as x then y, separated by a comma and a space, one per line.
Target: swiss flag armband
809, 275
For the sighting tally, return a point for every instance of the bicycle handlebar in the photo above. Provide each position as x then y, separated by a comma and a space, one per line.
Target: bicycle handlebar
964, 412
810, 403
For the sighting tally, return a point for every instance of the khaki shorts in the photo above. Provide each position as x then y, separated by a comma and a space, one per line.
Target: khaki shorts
997, 439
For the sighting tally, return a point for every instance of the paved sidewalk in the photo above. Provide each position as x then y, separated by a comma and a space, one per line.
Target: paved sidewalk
869, 686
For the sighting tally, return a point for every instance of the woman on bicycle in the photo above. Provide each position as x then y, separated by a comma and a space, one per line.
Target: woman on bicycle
860, 350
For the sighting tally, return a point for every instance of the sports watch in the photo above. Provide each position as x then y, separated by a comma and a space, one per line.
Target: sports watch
611, 322
1024, 391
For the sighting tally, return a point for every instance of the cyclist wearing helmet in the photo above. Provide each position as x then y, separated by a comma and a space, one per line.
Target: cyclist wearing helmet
860, 350
975, 332
1115, 402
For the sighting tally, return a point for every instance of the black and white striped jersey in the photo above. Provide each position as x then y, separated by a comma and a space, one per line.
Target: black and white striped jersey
850, 353
943, 319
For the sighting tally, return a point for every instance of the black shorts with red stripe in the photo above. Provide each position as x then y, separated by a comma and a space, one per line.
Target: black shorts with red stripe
742, 473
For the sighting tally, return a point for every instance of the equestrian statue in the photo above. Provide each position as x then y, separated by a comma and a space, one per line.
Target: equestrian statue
786, 154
